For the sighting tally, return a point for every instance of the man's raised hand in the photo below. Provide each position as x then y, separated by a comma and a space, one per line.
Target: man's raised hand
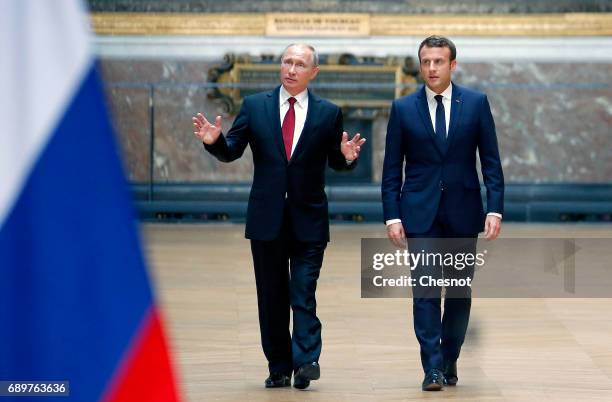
350, 149
206, 132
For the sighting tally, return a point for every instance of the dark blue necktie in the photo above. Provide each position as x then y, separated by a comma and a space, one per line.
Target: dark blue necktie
440, 119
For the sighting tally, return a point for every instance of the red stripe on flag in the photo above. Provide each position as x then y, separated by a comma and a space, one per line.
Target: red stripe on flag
146, 373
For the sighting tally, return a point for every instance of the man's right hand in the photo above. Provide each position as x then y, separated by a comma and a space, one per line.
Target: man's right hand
395, 232
206, 132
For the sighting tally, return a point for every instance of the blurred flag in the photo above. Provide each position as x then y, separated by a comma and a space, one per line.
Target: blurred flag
75, 301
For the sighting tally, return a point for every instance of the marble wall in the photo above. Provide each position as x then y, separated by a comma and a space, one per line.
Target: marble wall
553, 120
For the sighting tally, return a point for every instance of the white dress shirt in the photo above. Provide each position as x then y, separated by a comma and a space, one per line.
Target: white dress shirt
300, 107
447, 96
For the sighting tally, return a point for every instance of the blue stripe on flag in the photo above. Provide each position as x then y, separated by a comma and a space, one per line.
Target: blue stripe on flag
73, 287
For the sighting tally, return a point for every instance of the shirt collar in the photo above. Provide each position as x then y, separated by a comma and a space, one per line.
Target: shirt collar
446, 94
300, 98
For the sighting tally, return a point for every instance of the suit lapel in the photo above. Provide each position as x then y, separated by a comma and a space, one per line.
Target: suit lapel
313, 105
423, 108
455, 117
273, 111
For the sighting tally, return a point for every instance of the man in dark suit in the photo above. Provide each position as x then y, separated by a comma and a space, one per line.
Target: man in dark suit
293, 135
433, 136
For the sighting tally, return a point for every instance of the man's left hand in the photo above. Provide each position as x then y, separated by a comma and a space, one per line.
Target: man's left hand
492, 227
350, 148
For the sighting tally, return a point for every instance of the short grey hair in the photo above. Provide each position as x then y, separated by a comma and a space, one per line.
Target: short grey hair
315, 55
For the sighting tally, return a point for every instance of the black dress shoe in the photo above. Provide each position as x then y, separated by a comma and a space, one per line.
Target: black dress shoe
300, 383
434, 381
277, 380
450, 374
305, 374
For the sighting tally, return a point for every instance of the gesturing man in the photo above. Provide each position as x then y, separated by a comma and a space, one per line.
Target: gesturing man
433, 136
293, 135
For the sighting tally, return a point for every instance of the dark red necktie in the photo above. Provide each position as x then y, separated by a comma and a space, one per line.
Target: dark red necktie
289, 127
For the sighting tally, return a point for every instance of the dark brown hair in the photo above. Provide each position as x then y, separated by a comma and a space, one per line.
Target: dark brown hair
439, 41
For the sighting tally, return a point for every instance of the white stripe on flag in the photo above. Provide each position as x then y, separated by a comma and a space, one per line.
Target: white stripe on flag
45, 52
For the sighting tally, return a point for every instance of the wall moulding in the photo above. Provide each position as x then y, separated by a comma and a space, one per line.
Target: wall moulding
352, 25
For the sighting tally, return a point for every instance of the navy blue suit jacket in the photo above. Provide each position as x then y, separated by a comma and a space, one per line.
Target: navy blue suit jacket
431, 166
300, 182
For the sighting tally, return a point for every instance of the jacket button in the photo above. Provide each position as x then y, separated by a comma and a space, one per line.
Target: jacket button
441, 185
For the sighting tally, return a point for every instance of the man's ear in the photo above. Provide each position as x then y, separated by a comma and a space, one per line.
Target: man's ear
315, 71
453, 65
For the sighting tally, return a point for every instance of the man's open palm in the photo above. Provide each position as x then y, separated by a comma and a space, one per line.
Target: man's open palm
207, 133
351, 148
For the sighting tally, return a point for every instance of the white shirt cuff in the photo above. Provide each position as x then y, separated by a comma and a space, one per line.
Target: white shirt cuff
392, 221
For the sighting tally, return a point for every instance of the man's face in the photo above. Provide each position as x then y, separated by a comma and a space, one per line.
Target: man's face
436, 67
297, 69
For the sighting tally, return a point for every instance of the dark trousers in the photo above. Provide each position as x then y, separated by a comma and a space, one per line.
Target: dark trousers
441, 336
286, 273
